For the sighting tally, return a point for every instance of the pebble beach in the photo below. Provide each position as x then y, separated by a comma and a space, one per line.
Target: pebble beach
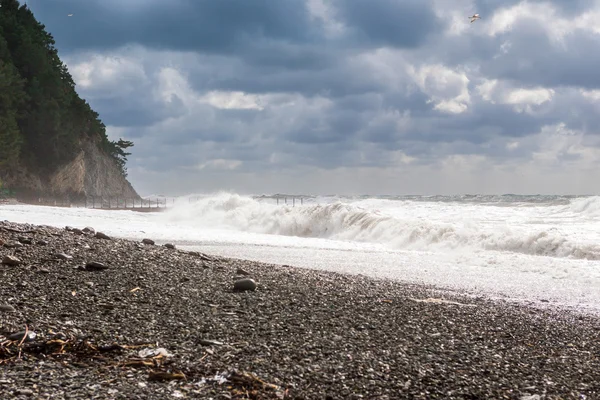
84, 315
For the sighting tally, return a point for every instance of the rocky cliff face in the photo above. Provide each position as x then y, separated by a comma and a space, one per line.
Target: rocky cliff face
91, 173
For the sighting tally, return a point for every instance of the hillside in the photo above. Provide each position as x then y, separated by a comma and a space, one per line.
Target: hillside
51, 141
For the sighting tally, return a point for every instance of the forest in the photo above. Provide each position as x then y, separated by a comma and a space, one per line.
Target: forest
42, 118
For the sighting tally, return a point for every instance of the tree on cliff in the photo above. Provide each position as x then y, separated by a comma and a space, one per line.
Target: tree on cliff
42, 118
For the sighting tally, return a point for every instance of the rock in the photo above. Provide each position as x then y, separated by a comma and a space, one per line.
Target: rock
44, 271
42, 242
24, 240
244, 284
100, 235
13, 245
169, 246
68, 228
205, 342
95, 266
201, 255
89, 230
63, 256
10, 260
148, 241
7, 308
77, 231
18, 336
240, 271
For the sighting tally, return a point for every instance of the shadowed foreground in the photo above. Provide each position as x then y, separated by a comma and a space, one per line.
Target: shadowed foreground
143, 321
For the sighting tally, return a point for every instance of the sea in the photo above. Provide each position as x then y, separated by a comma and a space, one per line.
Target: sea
537, 250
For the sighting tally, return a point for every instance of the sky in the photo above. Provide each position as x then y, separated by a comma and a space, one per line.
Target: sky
342, 96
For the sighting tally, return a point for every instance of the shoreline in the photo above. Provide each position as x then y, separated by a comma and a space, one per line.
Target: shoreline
301, 334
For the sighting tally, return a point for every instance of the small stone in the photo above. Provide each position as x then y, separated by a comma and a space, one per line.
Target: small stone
205, 342
24, 240
13, 245
242, 272
7, 308
169, 246
95, 266
77, 231
44, 271
31, 335
148, 241
63, 256
244, 284
25, 392
68, 228
89, 230
90, 284
10, 260
42, 242
100, 235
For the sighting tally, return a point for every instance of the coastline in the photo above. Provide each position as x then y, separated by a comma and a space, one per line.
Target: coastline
301, 334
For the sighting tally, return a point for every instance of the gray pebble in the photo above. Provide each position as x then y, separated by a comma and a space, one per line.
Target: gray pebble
95, 266
244, 284
10, 260
42, 242
31, 335
242, 272
7, 308
148, 241
63, 256
169, 246
90, 230
101, 235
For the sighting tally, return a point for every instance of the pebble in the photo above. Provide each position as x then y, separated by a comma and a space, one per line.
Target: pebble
7, 308
10, 260
95, 266
100, 235
63, 256
77, 231
169, 246
89, 230
148, 241
205, 342
24, 240
13, 245
42, 242
244, 284
31, 335
242, 272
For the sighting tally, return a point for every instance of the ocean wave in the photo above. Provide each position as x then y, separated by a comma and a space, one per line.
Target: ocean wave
338, 220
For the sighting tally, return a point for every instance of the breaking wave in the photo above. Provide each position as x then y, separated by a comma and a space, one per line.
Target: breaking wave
339, 220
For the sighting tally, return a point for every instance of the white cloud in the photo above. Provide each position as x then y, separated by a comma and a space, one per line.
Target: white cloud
448, 89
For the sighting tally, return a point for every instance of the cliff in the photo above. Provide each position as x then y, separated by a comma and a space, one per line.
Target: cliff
92, 173
52, 144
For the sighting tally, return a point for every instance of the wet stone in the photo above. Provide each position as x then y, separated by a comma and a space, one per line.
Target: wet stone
29, 336
63, 256
148, 241
100, 235
24, 240
244, 285
7, 308
10, 260
95, 266
169, 246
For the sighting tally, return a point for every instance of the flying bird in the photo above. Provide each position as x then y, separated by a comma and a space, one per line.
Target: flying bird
69, 15
474, 17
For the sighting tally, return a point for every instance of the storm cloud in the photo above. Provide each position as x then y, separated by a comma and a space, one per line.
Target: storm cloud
347, 96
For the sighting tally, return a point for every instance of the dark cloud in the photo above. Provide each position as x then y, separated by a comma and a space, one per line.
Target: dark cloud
195, 25
394, 23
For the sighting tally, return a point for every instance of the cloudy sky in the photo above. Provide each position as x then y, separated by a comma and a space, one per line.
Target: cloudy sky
342, 96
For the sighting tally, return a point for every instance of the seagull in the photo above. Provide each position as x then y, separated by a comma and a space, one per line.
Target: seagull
69, 15
475, 17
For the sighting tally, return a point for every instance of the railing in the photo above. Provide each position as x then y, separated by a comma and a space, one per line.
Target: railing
158, 204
